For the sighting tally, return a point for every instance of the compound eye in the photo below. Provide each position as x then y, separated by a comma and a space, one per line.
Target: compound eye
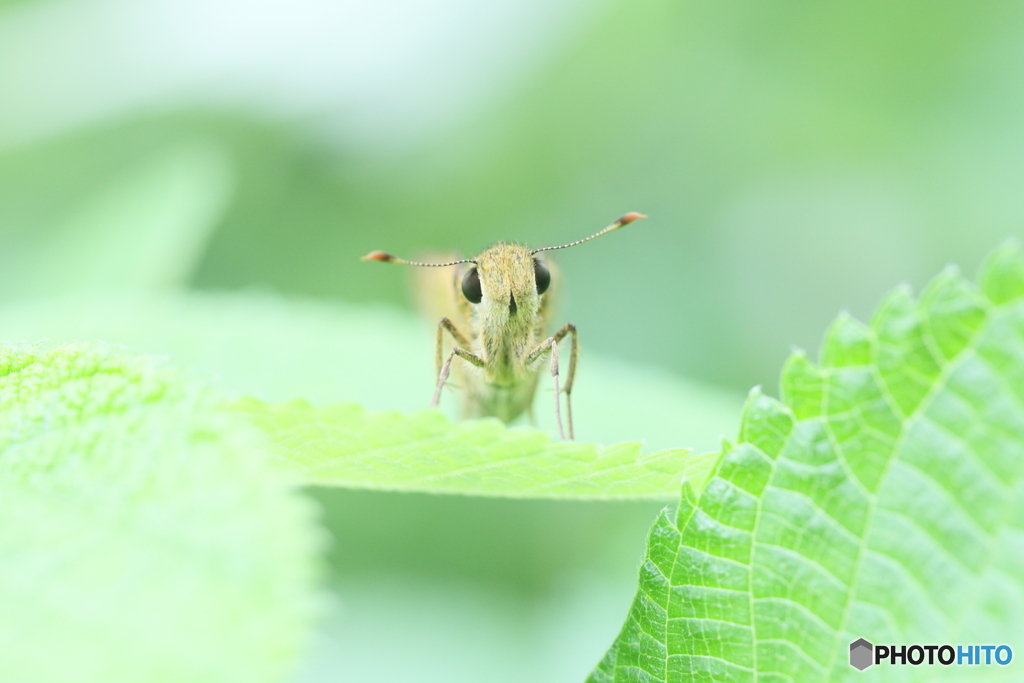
471, 287
543, 275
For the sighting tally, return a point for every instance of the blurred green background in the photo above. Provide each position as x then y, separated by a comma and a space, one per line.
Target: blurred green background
797, 158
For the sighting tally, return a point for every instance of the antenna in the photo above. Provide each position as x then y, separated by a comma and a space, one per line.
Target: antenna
388, 258
625, 220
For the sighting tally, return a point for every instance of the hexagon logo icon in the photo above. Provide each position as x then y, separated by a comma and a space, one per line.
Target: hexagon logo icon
861, 654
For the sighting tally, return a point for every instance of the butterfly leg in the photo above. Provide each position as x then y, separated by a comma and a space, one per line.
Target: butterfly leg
551, 344
568, 329
442, 376
460, 339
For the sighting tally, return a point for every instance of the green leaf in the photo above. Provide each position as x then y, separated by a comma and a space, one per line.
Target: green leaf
144, 535
279, 349
144, 228
881, 498
347, 446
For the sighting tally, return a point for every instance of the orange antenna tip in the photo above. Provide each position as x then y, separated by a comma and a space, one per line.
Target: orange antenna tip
630, 217
378, 256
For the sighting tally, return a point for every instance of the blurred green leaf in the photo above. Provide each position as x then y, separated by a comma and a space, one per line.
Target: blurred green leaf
144, 228
145, 537
347, 446
881, 498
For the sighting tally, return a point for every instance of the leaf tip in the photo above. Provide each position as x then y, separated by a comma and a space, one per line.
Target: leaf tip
766, 422
1002, 273
801, 385
848, 342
